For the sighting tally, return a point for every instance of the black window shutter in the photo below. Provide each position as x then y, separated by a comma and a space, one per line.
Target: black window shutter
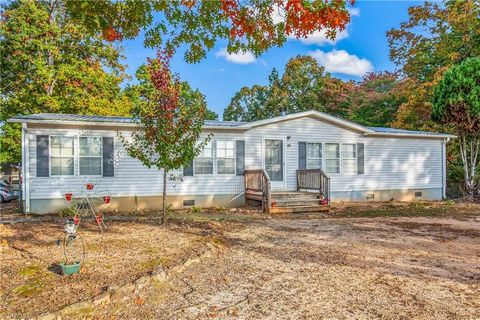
360, 158
240, 146
188, 170
302, 155
108, 157
43, 156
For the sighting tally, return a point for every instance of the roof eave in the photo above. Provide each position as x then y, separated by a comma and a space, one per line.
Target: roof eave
108, 124
317, 114
410, 135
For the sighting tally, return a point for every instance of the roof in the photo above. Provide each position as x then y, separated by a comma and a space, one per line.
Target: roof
55, 118
60, 118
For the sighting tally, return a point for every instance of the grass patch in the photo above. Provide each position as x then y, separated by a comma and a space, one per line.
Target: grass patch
30, 271
28, 289
155, 262
412, 209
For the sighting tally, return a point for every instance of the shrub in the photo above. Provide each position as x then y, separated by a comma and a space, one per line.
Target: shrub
195, 209
66, 212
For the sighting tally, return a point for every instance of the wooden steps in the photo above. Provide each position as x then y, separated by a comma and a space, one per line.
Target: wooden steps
300, 209
296, 202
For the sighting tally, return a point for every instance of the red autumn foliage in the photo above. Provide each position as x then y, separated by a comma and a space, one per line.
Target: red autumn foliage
111, 34
167, 85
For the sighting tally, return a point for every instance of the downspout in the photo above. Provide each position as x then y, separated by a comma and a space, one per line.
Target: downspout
26, 168
444, 167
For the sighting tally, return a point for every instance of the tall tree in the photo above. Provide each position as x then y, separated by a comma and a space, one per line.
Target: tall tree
375, 100
211, 115
50, 64
251, 25
247, 105
456, 103
303, 86
436, 36
170, 116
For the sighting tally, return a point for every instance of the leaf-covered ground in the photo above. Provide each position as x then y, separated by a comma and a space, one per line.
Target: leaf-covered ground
393, 261
30, 284
360, 268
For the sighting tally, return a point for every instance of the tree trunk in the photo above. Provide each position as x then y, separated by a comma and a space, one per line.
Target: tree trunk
164, 198
469, 161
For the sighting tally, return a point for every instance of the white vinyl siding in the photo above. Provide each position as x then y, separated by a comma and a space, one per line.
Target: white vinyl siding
314, 156
349, 158
390, 162
61, 156
90, 158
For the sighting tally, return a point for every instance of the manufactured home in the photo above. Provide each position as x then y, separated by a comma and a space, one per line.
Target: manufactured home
301, 161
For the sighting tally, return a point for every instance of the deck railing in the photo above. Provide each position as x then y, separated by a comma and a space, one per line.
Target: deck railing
314, 179
257, 183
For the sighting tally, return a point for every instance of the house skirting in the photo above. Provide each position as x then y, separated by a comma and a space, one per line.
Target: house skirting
123, 204
389, 195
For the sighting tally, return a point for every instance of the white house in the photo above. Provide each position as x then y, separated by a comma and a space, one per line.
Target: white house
62, 152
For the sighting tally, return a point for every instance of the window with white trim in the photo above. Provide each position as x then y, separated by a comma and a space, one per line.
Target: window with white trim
332, 157
314, 155
225, 157
61, 156
349, 158
204, 161
90, 157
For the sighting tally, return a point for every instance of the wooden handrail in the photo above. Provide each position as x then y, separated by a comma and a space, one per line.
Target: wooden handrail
259, 181
314, 179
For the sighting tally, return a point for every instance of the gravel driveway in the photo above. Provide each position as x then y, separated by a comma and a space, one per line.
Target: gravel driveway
390, 268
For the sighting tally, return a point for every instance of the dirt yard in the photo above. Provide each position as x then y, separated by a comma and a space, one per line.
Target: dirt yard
263, 268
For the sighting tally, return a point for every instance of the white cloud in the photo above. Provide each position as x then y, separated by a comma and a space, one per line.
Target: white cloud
241, 57
320, 37
354, 11
340, 61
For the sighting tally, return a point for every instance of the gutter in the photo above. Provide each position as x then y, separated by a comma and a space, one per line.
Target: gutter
26, 168
444, 167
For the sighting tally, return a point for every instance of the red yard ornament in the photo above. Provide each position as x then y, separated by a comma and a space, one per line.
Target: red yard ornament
89, 186
324, 202
99, 219
106, 199
76, 220
68, 196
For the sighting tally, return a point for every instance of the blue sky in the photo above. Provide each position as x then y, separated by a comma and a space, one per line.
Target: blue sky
362, 47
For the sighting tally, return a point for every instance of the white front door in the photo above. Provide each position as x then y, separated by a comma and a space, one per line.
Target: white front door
274, 162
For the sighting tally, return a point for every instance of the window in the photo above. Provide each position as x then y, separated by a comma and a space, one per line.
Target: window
314, 155
204, 162
61, 156
90, 156
349, 158
225, 157
332, 157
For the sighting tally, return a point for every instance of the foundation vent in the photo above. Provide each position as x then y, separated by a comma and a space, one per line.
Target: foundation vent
188, 203
418, 194
370, 196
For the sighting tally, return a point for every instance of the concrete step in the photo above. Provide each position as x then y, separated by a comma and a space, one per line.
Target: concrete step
300, 209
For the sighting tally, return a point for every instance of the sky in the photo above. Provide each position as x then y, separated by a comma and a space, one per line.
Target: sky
359, 49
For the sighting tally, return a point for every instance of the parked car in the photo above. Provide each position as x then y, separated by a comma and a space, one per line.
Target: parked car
7, 193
